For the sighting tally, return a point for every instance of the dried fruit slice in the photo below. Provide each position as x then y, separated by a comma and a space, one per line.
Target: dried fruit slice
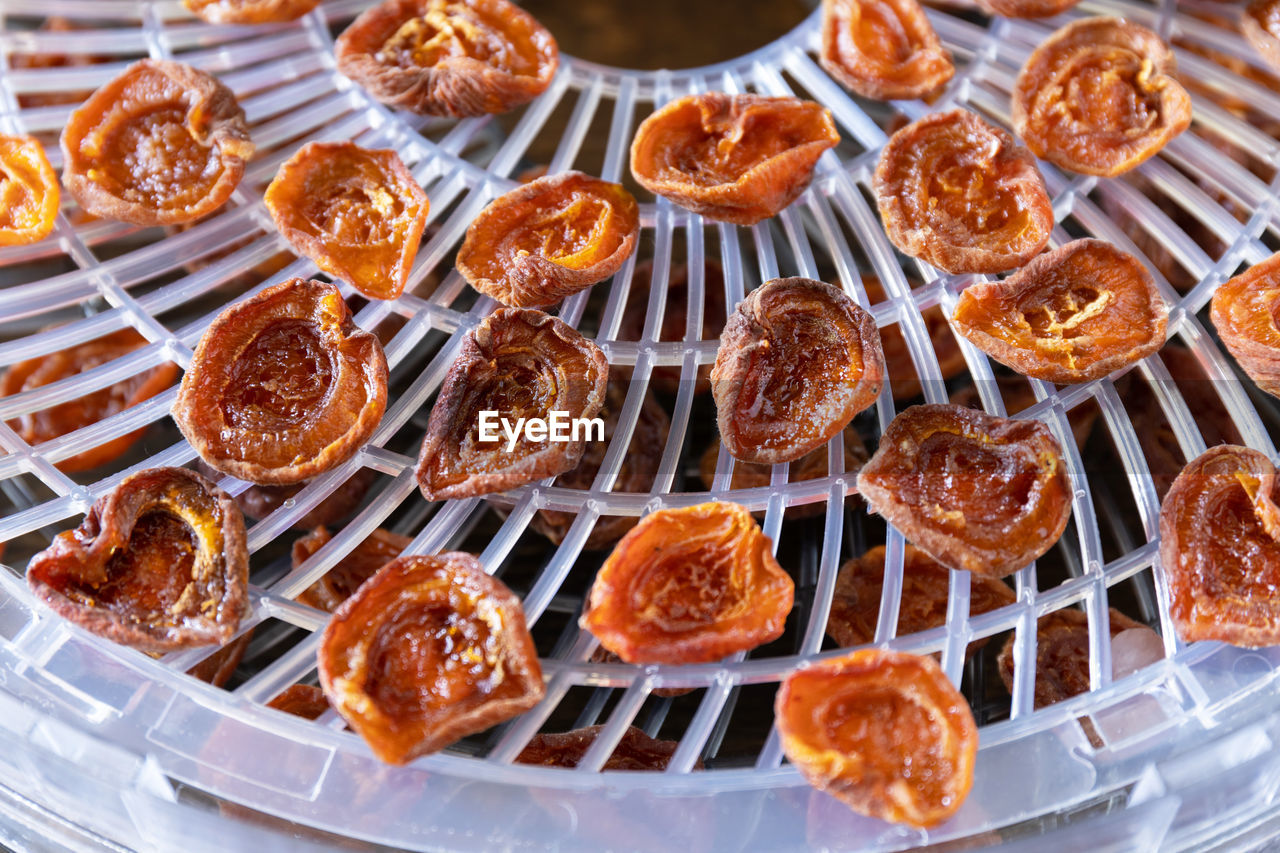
665, 378
250, 11
48, 424
359, 214
689, 585
1026, 8
797, 360
428, 650
28, 191
735, 158
283, 386
301, 700
362, 563
1099, 97
449, 57
548, 239
1062, 654
635, 751
962, 194
162, 143
1261, 26
1074, 314
1244, 310
976, 492
885, 732
899, 366
883, 49
160, 564
518, 363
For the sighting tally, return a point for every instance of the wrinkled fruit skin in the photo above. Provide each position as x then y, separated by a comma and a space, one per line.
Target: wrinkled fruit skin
250, 11
1099, 97
520, 363
449, 57
883, 49
301, 700
283, 386
1074, 314
734, 158
1062, 654
1261, 26
884, 732
359, 214
159, 564
28, 191
428, 650
549, 238
1220, 548
1244, 310
635, 751
161, 144
1026, 8
797, 360
962, 194
362, 563
976, 492
689, 585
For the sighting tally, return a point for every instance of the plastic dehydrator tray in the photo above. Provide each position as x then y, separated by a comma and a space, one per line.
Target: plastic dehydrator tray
105, 747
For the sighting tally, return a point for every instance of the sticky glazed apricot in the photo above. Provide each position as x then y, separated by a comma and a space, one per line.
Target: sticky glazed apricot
735, 158
549, 238
301, 700
340, 583
1261, 26
665, 378
249, 11
161, 144
884, 732
283, 386
28, 191
160, 563
428, 650
976, 492
689, 585
1074, 314
520, 363
449, 57
962, 194
1244, 310
1099, 97
899, 367
62, 418
359, 214
1026, 8
1062, 654
883, 49
797, 360
635, 751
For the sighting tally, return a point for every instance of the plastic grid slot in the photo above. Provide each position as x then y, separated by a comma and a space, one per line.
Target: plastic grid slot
285, 78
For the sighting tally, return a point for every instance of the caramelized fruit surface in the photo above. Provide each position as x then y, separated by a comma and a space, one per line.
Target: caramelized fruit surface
1246, 312
250, 11
635, 751
29, 192
883, 49
1062, 654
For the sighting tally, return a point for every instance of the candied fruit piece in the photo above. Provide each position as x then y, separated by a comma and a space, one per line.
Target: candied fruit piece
449, 57
1246, 312
976, 492
735, 158
1062, 654
689, 585
250, 11
903, 379
162, 143
962, 194
301, 700
28, 191
1074, 314
884, 732
283, 386
549, 238
1026, 8
361, 563
635, 751
1099, 97
1261, 26
428, 650
160, 563
359, 214
883, 49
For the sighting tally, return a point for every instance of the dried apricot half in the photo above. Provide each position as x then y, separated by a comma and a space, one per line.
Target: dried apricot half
160, 564
250, 11
635, 751
549, 239
735, 158
283, 386
361, 563
357, 213
162, 143
976, 492
962, 194
1261, 26
1074, 314
28, 191
689, 585
1245, 311
449, 57
1026, 8
883, 49
428, 650
884, 732
797, 360
301, 700
1062, 654
1099, 96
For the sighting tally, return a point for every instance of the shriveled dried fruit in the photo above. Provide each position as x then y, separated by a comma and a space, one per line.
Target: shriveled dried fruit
362, 563
1026, 8
797, 360
603, 655
1062, 654
520, 363
301, 700
449, 57
899, 367
1261, 26
218, 667
428, 650
635, 751
28, 191
283, 386
162, 143
885, 732
250, 11
962, 194
550, 238
260, 501
976, 492
883, 49
1244, 311
1074, 314
160, 564
735, 158
665, 378
359, 214
689, 585
1099, 97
